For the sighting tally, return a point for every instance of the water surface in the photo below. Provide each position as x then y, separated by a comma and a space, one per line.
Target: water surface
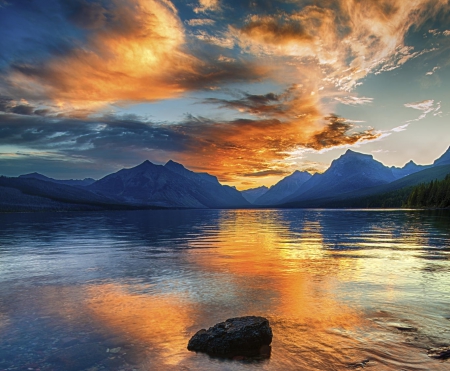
339, 287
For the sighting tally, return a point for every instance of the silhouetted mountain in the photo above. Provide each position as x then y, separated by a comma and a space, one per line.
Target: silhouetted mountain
169, 186
253, 193
30, 194
410, 168
444, 159
393, 194
72, 182
284, 188
350, 172
214, 194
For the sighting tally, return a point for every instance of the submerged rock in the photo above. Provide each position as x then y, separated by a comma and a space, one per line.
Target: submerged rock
439, 353
236, 336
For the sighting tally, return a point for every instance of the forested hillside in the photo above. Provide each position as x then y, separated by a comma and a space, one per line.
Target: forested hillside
434, 194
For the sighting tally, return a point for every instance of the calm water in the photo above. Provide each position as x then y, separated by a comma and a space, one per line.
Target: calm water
335, 285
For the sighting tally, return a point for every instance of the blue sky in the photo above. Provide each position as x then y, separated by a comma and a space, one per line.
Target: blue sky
246, 90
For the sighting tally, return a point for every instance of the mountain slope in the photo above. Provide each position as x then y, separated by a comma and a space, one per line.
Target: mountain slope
393, 194
253, 193
284, 188
350, 172
28, 194
167, 186
410, 168
72, 182
213, 194
444, 159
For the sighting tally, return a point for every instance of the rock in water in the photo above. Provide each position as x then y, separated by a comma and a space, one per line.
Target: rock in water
236, 336
439, 353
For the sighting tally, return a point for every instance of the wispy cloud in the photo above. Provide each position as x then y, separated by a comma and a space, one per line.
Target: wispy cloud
200, 22
429, 73
349, 41
426, 106
354, 101
207, 5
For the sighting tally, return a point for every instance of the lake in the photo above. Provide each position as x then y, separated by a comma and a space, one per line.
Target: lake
342, 289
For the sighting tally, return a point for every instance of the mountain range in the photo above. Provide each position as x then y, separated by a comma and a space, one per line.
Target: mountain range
352, 180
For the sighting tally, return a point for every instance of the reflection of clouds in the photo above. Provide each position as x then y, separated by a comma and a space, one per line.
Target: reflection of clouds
159, 322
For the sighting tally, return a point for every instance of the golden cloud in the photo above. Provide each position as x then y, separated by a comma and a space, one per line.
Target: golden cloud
132, 57
262, 147
349, 39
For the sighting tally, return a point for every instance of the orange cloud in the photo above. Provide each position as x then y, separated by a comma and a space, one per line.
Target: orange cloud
262, 146
348, 39
135, 51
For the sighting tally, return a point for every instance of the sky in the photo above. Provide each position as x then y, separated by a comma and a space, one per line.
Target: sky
246, 90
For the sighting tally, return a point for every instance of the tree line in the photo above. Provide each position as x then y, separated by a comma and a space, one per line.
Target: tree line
433, 194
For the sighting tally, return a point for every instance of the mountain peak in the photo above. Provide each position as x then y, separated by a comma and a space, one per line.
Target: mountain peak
351, 153
146, 163
172, 164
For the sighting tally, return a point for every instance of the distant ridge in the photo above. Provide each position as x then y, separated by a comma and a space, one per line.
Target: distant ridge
171, 185
253, 193
72, 182
350, 172
352, 180
284, 188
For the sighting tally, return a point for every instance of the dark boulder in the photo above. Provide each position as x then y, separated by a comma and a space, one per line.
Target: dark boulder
249, 336
439, 353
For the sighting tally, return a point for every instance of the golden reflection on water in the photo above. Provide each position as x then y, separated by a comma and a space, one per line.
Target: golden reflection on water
263, 265
159, 322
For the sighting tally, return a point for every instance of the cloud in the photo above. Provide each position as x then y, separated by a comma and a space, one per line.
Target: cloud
219, 39
348, 39
293, 103
336, 134
207, 5
265, 173
426, 105
429, 73
354, 101
200, 22
132, 51
232, 150
89, 15
400, 128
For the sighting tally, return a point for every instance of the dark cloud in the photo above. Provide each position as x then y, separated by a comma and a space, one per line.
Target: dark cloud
261, 174
89, 15
228, 149
9, 105
336, 134
290, 104
276, 30
256, 104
